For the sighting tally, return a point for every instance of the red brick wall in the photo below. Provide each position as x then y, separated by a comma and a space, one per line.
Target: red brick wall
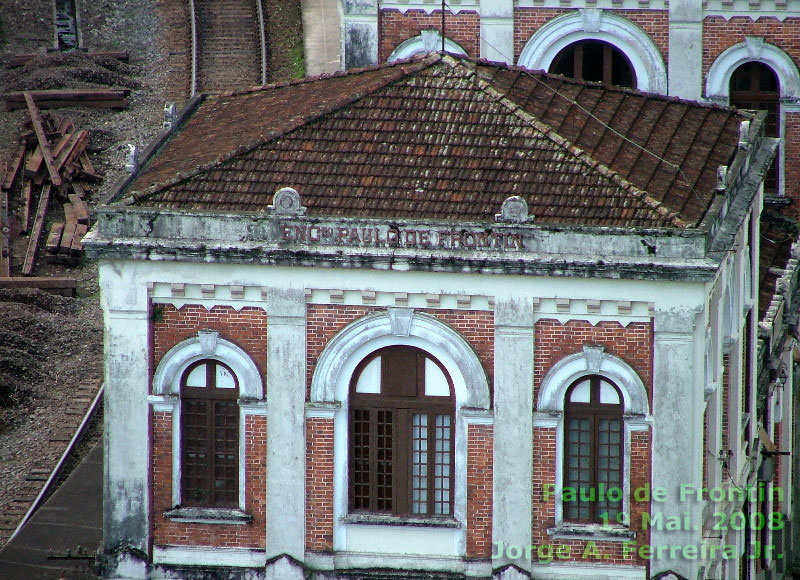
246, 328
324, 321
633, 344
479, 490
791, 165
167, 532
554, 341
528, 20
544, 508
395, 27
319, 485
720, 34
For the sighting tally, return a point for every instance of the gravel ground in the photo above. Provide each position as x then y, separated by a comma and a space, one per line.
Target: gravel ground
49, 344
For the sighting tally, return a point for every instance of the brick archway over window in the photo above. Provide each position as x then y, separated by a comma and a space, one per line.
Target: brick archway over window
594, 24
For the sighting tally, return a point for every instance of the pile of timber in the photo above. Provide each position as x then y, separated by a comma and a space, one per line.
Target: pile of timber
108, 98
18, 60
50, 159
64, 241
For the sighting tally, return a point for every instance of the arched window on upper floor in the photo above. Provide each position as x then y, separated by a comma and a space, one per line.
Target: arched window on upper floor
210, 434
594, 400
593, 450
401, 434
754, 85
595, 61
208, 385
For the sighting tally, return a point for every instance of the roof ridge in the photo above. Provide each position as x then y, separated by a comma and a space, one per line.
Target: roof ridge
580, 154
416, 64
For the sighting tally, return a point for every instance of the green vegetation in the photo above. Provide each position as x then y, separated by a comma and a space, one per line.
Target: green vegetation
157, 315
284, 23
297, 61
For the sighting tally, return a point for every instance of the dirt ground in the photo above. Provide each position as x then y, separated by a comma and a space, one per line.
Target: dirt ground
49, 344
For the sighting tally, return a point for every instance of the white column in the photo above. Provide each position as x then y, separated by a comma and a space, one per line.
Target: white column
360, 33
685, 67
513, 424
497, 31
126, 501
677, 457
286, 455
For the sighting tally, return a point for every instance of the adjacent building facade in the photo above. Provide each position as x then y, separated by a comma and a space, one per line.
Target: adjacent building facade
443, 318
729, 52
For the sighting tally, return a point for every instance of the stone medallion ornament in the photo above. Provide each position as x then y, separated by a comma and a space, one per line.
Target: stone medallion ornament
515, 210
286, 202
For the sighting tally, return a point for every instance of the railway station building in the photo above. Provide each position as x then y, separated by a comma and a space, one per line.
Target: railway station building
447, 318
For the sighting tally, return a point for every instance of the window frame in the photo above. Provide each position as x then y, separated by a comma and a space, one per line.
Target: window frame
549, 413
403, 410
165, 398
594, 410
609, 51
212, 395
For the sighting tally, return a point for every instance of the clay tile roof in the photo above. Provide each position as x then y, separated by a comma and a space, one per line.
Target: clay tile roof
440, 137
777, 235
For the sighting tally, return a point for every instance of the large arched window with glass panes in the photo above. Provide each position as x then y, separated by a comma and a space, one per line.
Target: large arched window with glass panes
401, 423
595, 61
210, 435
755, 86
593, 454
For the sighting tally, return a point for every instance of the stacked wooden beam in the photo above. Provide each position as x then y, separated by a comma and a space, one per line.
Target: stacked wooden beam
21, 59
107, 98
64, 242
50, 160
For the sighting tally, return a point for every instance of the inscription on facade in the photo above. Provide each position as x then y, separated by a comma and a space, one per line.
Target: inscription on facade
386, 236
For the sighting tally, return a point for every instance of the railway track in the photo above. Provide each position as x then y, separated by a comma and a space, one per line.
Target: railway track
52, 456
229, 45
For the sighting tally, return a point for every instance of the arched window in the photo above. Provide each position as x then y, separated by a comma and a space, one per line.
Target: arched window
754, 85
401, 434
210, 435
596, 61
593, 451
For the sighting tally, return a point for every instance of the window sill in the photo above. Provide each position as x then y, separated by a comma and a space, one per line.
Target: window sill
566, 531
209, 515
386, 520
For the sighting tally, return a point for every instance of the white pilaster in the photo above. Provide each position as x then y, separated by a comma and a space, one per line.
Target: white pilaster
497, 31
126, 502
677, 458
513, 423
685, 72
286, 388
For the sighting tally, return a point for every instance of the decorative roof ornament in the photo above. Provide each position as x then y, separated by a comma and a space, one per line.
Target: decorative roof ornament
514, 210
286, 202
170, 115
